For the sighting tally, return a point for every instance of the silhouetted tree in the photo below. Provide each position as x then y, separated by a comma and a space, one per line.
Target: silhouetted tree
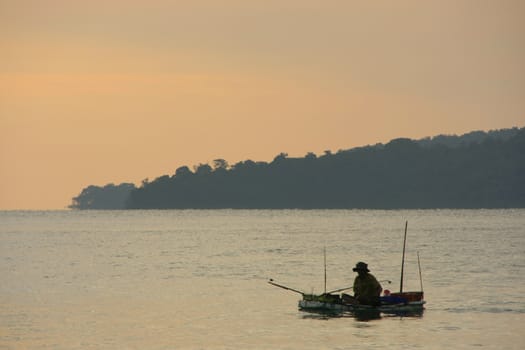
183, 171
310, 155
476, 170
107, 197
280, 157
220, 164
203, 169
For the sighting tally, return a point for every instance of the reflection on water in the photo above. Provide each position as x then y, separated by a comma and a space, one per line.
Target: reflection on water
360, 315
197, 279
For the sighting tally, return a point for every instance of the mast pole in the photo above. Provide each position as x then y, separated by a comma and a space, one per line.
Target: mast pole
419, 266
403, 259
325, 270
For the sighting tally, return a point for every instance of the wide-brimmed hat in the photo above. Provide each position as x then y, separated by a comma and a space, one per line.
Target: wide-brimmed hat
361, 266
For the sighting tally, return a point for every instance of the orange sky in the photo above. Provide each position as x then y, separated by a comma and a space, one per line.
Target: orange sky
93, 92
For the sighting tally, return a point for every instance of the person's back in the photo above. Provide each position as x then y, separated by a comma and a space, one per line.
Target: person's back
366, 287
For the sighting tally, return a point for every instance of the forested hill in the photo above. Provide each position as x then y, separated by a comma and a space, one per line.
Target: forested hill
475, 170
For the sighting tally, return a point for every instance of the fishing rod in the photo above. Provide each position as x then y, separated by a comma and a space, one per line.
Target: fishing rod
298, 291
284, 287
330, 292
347, 288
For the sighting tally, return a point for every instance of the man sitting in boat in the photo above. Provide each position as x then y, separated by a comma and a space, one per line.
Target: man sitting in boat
366, 287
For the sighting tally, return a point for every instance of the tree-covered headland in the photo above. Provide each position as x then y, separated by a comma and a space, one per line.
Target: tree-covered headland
475, 170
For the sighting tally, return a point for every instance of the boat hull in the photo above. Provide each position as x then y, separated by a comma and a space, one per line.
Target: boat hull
313, 305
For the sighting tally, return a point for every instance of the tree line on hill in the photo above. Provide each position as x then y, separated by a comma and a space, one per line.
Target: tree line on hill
475, 170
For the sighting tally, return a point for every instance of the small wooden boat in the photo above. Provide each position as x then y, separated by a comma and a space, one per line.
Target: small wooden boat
395, 303
390, 303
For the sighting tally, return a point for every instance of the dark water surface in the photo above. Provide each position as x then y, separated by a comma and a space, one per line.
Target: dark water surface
197, 279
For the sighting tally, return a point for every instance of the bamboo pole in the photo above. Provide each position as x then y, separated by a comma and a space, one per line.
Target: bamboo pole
403, 259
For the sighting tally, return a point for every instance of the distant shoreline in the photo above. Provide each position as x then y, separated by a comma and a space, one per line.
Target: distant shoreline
478, 170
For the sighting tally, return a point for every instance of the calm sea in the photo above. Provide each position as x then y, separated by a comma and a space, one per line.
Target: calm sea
198, 279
